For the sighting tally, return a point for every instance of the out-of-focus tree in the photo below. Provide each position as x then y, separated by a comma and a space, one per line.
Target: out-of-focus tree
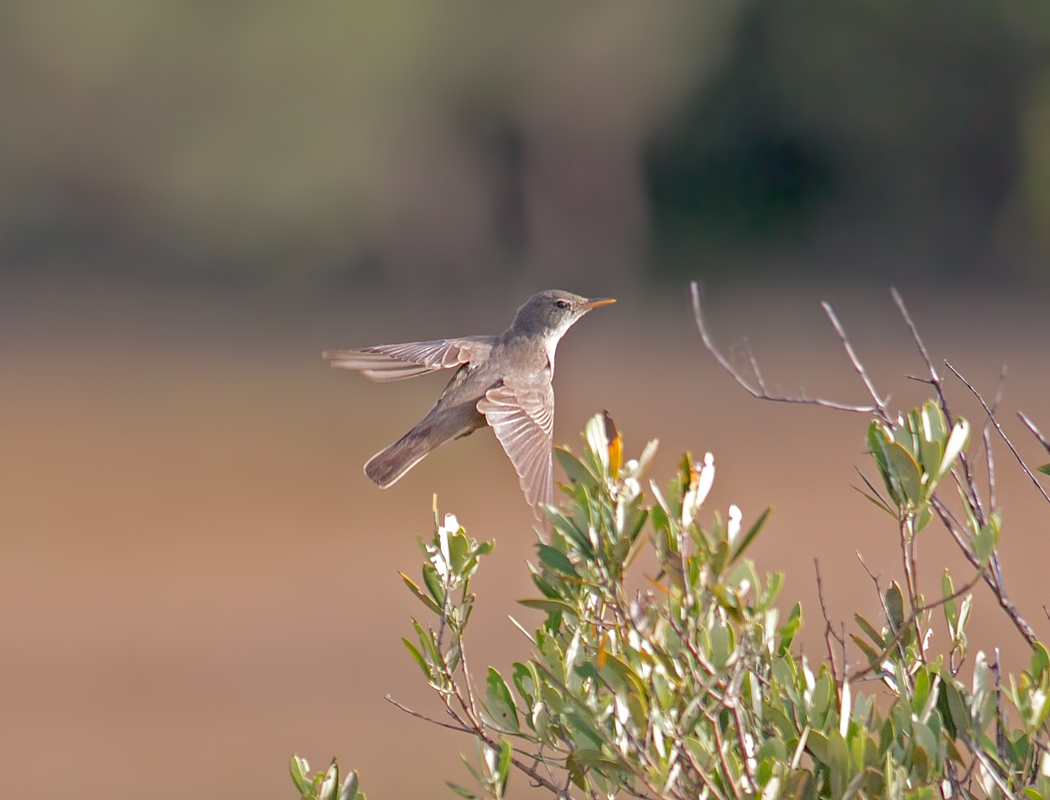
453, 141
458, 144
917, 130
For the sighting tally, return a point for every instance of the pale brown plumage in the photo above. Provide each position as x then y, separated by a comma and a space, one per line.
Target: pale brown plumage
502, 381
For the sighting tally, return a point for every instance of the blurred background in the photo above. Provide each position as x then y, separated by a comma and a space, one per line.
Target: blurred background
197, 198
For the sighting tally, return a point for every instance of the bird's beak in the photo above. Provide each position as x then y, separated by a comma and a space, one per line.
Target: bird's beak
587, 305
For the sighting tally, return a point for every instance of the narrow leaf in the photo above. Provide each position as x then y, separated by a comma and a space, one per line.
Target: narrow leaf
895, 606
752, 533
869, 629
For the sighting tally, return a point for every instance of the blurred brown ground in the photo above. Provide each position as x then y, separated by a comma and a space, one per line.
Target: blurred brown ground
198, 580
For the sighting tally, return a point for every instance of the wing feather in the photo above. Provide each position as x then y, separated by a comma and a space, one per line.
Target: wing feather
523, 421
395, 362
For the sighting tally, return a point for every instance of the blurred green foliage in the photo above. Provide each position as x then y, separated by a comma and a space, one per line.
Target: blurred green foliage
352, 138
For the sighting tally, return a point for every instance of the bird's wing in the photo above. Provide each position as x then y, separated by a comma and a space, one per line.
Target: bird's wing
523, 421
395, 362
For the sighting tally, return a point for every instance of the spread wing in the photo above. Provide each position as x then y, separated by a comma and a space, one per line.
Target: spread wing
395, 362
523, 421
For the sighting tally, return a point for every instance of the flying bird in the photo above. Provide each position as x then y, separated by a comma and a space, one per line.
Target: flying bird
501, 381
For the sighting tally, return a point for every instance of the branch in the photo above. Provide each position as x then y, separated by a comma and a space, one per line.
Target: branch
879, 403
1002, 433
760, 392
953, 526
937, 382
913, 619
1035, 431
829, 632
425, 718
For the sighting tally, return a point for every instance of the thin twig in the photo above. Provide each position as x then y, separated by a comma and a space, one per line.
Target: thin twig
937, 382
857, 365
704, 777
934, 377
1035, 431
829, 631
754, 365
913, 619
425, 718
1002, 433
955, 528
759, 392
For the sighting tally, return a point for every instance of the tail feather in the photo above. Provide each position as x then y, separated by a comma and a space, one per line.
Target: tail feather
388, 465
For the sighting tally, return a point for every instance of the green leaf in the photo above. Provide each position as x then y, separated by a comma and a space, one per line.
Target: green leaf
550, 606
426, 641
583, 759
931, 423
895, 606
432, 580
418, 658
465, 793
1045, 469
921, 692
625, 681
751, 534
869, 629
869, 652
300, 770
985, 541
904, 472
790, 628
880, 440
572, 534
575, 469
951, 614
817, 745
557, 560
875, 501
820, 700
1040, 660
527, 681
838, 761
425, 599
503, 765
722, 644
499, 703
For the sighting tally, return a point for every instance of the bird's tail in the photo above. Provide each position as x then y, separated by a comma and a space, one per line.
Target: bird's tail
388, 465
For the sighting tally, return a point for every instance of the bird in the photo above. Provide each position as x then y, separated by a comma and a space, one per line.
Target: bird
501, 381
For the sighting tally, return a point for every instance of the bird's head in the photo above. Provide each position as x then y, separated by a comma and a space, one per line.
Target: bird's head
551, 313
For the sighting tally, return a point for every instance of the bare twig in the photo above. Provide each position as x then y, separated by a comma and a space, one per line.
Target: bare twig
459, 728
760, 391
1035, 431
1002, 433
829, 633
912, 620
701, 773
993, 581
937, 382
857, 365
539, 779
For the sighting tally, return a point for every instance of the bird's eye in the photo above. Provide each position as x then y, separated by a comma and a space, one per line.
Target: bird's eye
562, 303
